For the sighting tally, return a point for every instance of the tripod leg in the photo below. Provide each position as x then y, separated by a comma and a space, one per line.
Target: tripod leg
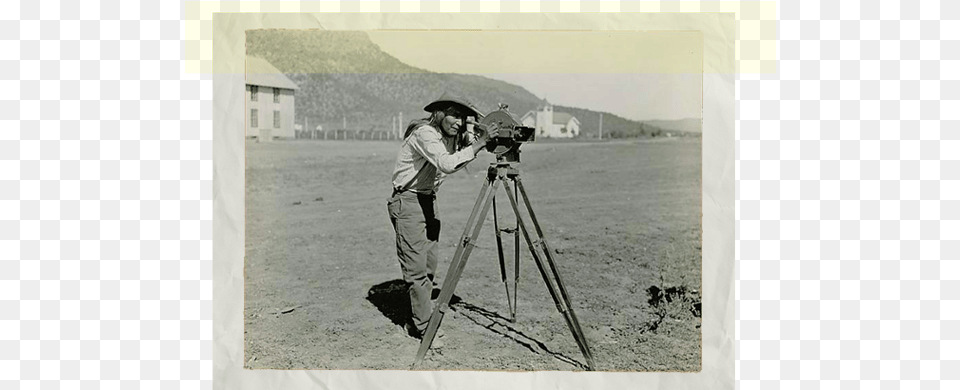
456, 266
562, 304
470, 220
503, 267
516, 257
553, 267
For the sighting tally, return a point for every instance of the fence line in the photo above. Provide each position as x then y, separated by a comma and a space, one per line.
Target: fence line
342, 135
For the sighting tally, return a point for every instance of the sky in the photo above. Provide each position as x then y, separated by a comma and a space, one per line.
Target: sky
636, 96
636, 75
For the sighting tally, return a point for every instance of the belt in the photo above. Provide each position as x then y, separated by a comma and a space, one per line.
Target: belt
398, 190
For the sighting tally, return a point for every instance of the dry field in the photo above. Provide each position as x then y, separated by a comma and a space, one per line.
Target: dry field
323, 288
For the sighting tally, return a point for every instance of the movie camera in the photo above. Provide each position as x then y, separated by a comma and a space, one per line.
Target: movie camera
506, 145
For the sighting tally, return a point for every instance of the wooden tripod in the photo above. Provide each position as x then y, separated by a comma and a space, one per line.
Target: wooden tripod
502, 172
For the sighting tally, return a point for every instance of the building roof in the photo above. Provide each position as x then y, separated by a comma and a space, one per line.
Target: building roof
561, 118
262, 73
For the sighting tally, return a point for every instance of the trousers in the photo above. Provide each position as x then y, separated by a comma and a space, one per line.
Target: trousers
414, 219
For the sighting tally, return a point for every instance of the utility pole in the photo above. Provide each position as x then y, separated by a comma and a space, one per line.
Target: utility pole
601, 125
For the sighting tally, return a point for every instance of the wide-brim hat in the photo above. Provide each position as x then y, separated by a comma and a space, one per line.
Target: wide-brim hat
448, 99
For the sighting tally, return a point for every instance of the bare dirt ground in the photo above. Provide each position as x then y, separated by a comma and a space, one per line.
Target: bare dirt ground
323, 288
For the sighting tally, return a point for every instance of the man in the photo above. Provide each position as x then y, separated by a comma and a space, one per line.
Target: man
433, 147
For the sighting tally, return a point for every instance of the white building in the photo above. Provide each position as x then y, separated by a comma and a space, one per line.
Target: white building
552, 124
269, 101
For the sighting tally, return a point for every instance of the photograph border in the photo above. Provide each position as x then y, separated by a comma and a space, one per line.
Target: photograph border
717, 201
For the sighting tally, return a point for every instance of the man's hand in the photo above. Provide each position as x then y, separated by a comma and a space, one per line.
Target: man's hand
487, 132
492, 131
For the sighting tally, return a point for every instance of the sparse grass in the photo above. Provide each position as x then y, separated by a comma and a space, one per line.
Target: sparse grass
677, 302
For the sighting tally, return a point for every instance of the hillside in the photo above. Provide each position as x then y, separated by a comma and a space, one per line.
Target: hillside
345, 78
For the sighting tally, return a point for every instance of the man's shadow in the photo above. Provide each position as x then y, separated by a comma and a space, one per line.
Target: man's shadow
393, 300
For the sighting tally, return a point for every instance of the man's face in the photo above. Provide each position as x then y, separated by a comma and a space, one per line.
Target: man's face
451, 122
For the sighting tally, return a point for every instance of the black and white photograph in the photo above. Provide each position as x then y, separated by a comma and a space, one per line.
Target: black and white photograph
461, 200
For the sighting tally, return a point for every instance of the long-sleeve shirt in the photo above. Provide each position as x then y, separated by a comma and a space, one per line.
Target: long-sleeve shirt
425, 158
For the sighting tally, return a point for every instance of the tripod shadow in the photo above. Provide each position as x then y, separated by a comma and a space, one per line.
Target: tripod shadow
393, 300
501, 325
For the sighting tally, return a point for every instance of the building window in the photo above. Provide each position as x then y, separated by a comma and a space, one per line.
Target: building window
253, 93
276, 95
276, 119
253, 118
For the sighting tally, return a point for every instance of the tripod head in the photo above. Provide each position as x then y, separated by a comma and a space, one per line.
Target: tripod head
502, 168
